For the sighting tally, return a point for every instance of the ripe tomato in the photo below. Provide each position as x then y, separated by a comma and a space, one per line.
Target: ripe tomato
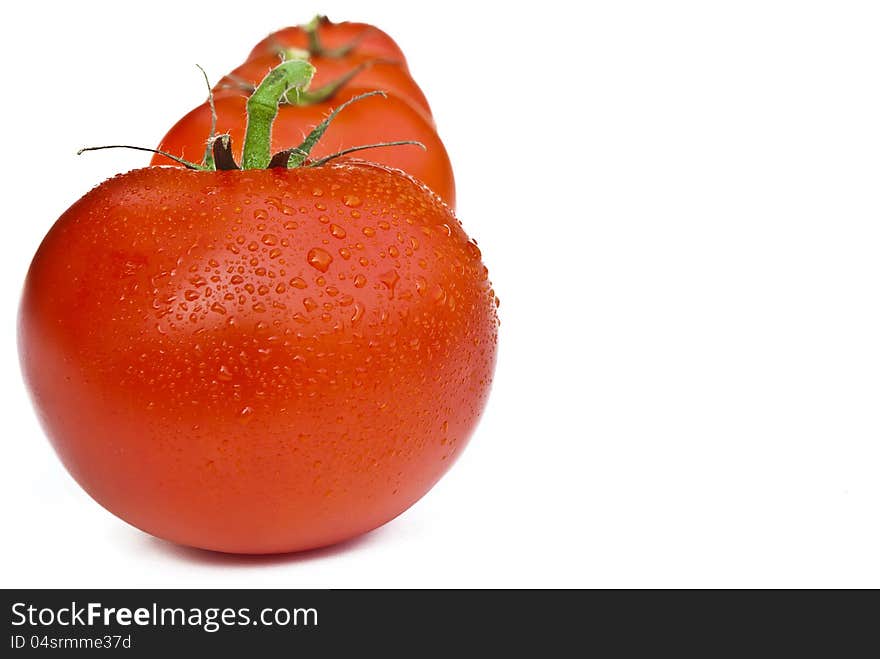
371, 120
385, 75
258, 361
357, 38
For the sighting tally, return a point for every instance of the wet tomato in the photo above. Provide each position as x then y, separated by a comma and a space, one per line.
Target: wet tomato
258, 361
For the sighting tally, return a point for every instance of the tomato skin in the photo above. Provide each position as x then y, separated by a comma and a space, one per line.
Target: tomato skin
383, 75
208, 376
371, 41
368, 121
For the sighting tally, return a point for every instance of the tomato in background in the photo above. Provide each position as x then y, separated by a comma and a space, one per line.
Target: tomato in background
368, 121
360, 39
369, 73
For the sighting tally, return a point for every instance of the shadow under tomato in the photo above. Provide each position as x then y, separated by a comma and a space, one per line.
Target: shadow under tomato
208, 557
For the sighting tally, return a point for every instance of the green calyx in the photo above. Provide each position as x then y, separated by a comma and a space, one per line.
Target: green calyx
299, 156
287, 81
308, 96
315, 45
290, 77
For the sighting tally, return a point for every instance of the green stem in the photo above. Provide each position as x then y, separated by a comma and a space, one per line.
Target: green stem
315, 46
311, 30
310, 97
181, 161
313, 96
363, 147
329, 90
262, 108
300, 153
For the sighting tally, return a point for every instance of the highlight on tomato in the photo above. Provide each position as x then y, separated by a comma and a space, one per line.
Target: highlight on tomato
264, 353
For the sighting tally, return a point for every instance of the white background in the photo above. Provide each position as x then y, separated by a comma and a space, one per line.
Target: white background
679, 204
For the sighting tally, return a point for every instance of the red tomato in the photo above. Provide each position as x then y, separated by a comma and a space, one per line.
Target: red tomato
258, 361
380, 74
366, 40
371, 120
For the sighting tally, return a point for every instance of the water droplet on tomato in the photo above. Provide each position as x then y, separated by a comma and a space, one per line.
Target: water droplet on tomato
129, 268
319, 259
337, 231
389, 280
246, 414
